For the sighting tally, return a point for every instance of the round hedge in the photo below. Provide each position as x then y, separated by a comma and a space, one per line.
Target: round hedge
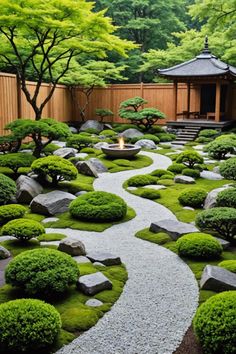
152, 137
159, 173
189, 158
10, 212
227, 198
7, 189
98, 207
193, 197
215, 323
228, 168
209, 133
150, 193
42, 272
176, 168
199, 246
141, 180
191, 173
229, 265
218, 149
28, 325
23, 229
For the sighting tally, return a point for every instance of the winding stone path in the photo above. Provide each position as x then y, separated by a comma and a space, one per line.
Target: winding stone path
161, 295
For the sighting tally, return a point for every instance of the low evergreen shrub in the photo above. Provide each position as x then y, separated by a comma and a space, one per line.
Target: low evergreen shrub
80, 141
150, 194
226, 198
23, 229
230, 265
189, 158
152, 137
159, 173
176, 168
141, 180
16, 160
228, 168
193, 197
7, 189
218, 149
191, 173
10, 212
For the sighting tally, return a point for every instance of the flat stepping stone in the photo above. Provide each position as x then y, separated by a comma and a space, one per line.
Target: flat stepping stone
81, 259
94, 283
211, 175
155, 186
105, 258
52, 219
217, 279
173, 228
225, 244
72, 247
184, 179
66, 152
94, 303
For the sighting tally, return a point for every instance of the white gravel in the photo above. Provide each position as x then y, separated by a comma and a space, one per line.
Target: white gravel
161, 295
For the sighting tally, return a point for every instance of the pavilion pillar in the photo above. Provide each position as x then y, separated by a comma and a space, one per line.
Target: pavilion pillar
217, 102
175, 91
188, 99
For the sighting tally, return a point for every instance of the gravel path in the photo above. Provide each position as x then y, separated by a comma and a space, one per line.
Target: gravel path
161, 295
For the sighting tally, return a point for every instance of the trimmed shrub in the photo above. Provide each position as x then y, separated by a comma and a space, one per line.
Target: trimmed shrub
203, 140
7, 189
28, 324
167, 176
189, 158
227, 198
191, 173
10, 212
214, 324
120, 128
122, 162
16, 160
199, 246
152, 137
221, 220
193, 197
228, 168
42, 272
176, 168
98, 207
150, 194
219, 148
230, 265
159, 173
209, 133
23, 229
103, 112
91, 131
80, 141
50, 148
155, 129
108, 132
141, 180
55, 167
166, 137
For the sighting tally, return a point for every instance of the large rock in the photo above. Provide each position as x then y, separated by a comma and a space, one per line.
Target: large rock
27, 189
51, 203
217, 279
131, 133
98, 165
92, 124
146, 144
93, 303
4, 253
61, 144
66, 152
73, 130
210, 201
105, 258
211, 175
184, 179
174, 228
72, 247
92, 284
86, 168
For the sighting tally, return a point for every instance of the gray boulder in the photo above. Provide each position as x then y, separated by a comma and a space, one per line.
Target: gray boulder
217, 279
27, 189
174, 228
4, 253
210, 201
92, 124
73, 130
131, 133
51, 203
184, 179
86, 168
105, 258
61, 144
101, 144
99, 166
92, 284
210, 175
146, 144
225, 244
66, 152
93, 303
72, 247
216, 169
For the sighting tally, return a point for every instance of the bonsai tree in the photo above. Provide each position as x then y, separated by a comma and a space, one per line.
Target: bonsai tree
55, 167
189, 158
142, 117
219, 148
80, 141
102, 113
41, 132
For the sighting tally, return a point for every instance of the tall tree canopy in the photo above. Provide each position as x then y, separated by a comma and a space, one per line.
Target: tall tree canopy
39, 38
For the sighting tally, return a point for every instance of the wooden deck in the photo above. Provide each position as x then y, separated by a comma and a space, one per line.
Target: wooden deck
202, 123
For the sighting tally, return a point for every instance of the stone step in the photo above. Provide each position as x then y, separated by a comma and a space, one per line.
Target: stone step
183, 138
179, 142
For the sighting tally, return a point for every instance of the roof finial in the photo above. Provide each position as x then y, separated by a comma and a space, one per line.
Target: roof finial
206, 46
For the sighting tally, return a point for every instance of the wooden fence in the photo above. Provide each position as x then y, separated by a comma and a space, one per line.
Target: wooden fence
13, 103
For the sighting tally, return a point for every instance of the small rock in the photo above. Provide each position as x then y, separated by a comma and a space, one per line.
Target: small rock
81, 259
155, 186
217, 279
94, 303
216, 169
101, 144
99, 264
73, 130
105, 258
27, 189
131, 133
92, 284
210, 201
188, 208
72, 247
146, 144
80, 193
61, 144
174, 228
98, 165
53, 219
198, 147
130, 188
4, 253
92, 124
86, 168
225, 244
184, 179
210, 175
66, 153
81, 155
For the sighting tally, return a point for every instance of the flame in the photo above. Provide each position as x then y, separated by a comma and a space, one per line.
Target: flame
121, 143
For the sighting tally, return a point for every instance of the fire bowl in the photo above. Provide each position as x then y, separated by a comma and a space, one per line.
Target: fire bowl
114, 150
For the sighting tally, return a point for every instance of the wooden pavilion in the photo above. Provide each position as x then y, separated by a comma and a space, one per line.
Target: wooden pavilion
213, 81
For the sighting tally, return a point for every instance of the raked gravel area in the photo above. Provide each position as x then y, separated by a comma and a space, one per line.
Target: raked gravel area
161, 295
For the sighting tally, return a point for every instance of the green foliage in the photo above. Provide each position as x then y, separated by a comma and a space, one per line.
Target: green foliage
191, 173
119, 128
7, 189
150, 193
228, 168
16, 160
199, 245
51, 237
219, 148
102, 113
166, 137
189, 158
152, 137
55, 167
176, 168
77, 319
220, 219
214, 324
9, 143
27, 324
203, 140
23, 229
10, 212
79, 141
42, 272
227, 198
160, 238
208, 133
160, 173
122, 162
230, 265
141, 180
50, 148
108, 133
98, 207
193, 197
